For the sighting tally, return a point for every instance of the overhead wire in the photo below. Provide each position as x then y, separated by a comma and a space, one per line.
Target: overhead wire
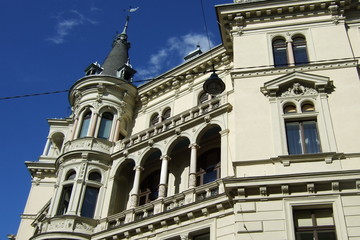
177, 76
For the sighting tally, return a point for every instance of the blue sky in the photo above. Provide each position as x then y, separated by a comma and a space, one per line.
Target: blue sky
46, 45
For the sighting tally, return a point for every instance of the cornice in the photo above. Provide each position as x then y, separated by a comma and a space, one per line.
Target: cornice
186, 73
235, 19
315, 66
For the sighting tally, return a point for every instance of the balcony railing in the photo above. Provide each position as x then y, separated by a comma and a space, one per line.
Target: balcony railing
166, 204
209, 107
89, 143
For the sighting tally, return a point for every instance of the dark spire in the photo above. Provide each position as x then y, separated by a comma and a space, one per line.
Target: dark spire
119, 54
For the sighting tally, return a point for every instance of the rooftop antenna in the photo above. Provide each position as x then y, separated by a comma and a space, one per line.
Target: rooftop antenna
213, 85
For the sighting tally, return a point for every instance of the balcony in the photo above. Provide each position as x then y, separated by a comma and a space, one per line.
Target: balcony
89, 144
177, 123
169, 210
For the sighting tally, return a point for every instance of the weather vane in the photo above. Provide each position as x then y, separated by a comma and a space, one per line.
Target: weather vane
131, 9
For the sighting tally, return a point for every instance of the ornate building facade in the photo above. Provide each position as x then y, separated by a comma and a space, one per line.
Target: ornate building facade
274, 156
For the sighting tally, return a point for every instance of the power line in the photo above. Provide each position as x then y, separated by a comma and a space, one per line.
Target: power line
183, 75
33, 94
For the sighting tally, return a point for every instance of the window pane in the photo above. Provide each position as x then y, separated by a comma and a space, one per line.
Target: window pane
324, 217
279, 51
303, 218
95, 176
64, 200
210, 176
105, 126
85, 125
305, 236
71, 175
293, 138
89, 204
327, 235
312, 143
205, 236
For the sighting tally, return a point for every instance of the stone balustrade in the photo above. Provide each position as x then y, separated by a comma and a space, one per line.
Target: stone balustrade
90, 144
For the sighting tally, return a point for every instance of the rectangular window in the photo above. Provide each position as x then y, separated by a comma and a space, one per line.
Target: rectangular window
314, 224
302, 137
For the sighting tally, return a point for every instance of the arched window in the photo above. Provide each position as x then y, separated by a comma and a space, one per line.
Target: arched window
208, 167
289, 108
280, 54
166, 114
155, 119
91, 195
302, 134
203, 97
307, 107
66, 193
292, 54
300, 51
105, 125
85, 125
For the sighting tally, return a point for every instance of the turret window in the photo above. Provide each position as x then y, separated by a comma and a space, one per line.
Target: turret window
85, 125
105, 125
91, 195
66, 193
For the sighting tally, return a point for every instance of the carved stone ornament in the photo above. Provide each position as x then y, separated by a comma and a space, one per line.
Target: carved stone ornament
297, 90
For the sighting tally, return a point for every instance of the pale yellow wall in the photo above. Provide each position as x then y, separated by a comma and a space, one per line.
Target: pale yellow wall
250, 50
39, 195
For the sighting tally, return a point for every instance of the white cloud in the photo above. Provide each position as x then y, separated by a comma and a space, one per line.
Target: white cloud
66, 24
173, 53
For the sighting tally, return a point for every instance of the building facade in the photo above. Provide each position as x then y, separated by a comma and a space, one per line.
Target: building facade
274, 156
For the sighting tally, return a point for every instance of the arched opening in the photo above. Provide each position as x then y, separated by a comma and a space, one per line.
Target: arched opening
150, 177
179, 153
208, 159
57, 140
123, 183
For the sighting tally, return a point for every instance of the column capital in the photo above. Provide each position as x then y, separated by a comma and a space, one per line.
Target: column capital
138, 168
194, 146
224, 132
165, 157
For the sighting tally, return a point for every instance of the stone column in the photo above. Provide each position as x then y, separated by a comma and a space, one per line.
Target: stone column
193, 159
136, 187
74, 129
290, 52
46, 148
91, 130
224, 162
116, 133
163, 175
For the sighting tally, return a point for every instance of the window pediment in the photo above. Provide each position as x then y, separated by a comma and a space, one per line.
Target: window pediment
297, 84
